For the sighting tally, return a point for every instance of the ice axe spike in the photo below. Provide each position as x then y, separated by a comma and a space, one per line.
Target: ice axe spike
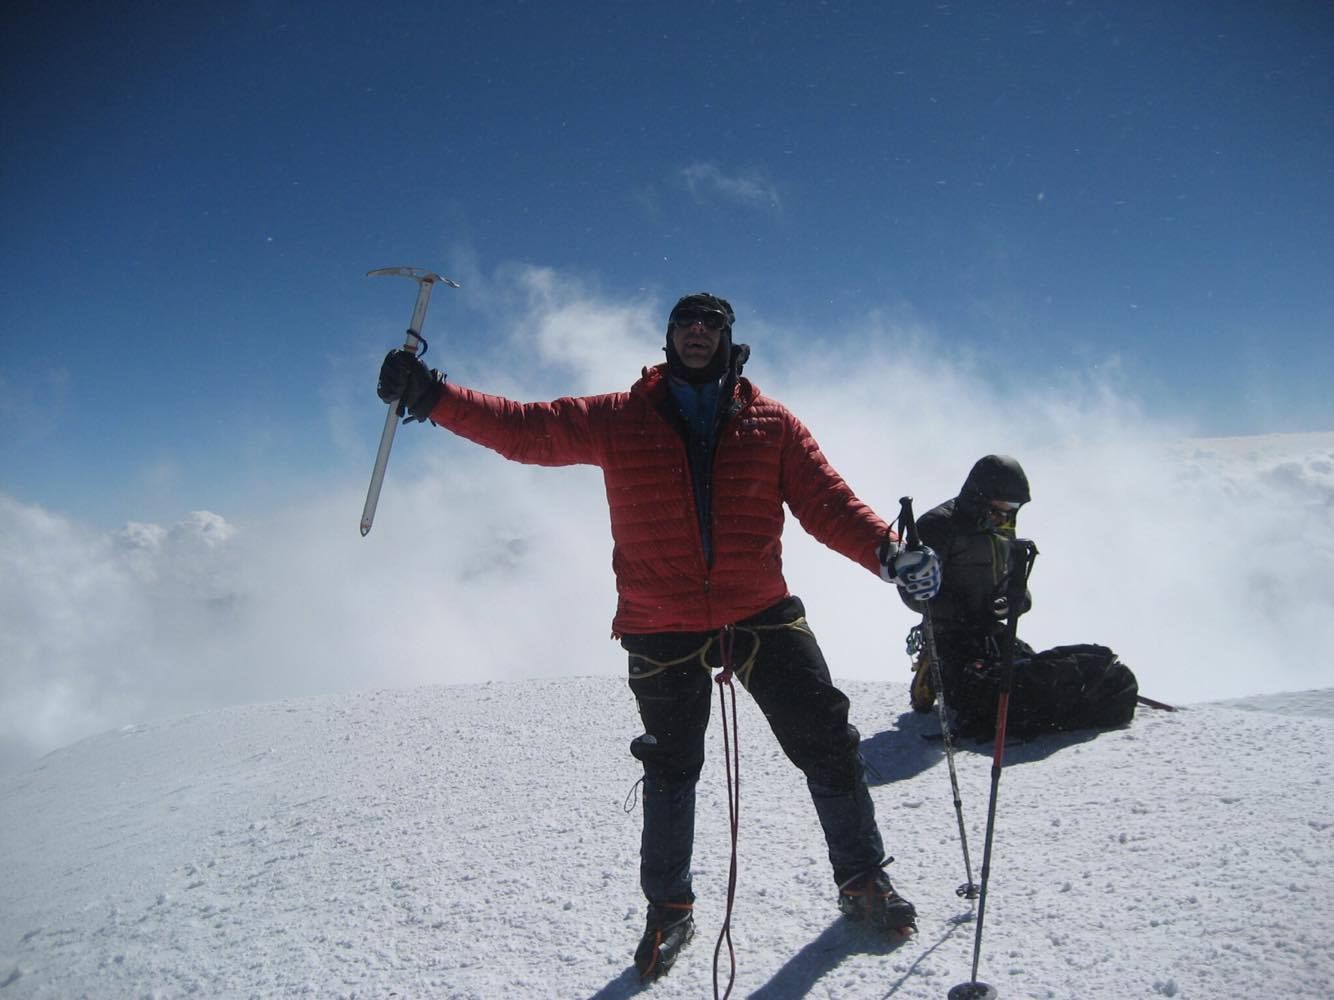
426, 280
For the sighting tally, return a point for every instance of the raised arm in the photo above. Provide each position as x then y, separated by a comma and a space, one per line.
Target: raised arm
557, 433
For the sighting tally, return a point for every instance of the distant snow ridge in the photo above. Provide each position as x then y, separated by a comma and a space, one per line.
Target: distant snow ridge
473, 842
1317, 704
1298, 468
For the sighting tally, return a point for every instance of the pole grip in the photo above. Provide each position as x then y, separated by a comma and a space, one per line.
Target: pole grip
1022, 555
908, 525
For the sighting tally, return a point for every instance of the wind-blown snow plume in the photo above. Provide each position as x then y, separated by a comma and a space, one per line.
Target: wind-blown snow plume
1209, 565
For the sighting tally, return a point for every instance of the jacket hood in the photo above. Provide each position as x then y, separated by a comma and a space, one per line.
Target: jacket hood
995, 477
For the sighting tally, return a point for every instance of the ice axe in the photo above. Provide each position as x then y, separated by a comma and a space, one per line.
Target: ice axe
426, 280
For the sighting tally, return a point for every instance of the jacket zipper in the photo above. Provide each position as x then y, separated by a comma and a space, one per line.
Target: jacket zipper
726, 415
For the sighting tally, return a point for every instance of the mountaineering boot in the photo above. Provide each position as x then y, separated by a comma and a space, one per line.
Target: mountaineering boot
922, 694
668, 928
870, 897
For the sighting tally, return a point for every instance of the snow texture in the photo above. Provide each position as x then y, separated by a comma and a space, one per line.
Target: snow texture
473, 842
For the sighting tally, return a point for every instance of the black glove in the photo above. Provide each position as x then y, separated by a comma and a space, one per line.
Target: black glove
403, 377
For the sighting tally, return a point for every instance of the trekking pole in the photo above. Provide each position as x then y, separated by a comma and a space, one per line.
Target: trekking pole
908, 529
1022, 556
425, 281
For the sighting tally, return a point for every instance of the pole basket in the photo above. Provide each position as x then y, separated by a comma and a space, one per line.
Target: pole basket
973, 991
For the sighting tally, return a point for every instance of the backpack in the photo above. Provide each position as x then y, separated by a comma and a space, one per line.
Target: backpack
1068, 687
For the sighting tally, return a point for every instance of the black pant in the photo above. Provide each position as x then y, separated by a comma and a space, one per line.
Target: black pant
777, 659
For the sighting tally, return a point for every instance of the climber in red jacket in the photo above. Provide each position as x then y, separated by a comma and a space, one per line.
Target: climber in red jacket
698, 464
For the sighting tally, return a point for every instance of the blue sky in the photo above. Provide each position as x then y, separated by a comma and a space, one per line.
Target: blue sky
192, 194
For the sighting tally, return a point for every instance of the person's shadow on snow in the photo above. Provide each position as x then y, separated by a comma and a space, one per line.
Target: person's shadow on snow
913, 744
627, 984
904, 750
804, 970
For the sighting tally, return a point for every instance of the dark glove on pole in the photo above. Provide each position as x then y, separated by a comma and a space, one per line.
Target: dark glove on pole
405, 378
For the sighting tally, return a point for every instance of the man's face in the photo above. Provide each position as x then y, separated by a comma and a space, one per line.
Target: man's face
695, 337
1000, 512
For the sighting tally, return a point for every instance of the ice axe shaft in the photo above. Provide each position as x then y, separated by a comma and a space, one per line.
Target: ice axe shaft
426, 280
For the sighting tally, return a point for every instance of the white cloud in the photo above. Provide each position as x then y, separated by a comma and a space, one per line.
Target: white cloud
1208, 566
1210, 570
591, 342
752, 189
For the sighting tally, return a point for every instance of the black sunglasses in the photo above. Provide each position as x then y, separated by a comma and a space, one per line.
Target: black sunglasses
711, 320
1000, 511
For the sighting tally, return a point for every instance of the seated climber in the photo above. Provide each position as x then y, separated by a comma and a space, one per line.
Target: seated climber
1068, 687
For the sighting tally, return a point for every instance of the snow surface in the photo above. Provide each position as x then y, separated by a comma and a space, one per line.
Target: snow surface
473, 841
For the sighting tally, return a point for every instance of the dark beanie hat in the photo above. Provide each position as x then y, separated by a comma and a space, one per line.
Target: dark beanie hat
702, 302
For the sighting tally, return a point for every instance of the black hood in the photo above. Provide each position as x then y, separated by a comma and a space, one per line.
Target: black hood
994, 477
722, 357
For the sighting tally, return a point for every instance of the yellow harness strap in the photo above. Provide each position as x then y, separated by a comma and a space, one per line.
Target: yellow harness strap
651, 667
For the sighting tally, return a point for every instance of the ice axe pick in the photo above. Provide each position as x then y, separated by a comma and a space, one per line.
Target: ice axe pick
426, 280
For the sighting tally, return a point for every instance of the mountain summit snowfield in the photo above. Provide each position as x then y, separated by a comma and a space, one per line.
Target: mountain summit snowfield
481, 841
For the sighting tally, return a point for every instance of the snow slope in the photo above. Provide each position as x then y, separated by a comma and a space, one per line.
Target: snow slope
472, 841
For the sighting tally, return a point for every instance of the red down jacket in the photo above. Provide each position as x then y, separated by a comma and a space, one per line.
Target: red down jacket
765, 457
